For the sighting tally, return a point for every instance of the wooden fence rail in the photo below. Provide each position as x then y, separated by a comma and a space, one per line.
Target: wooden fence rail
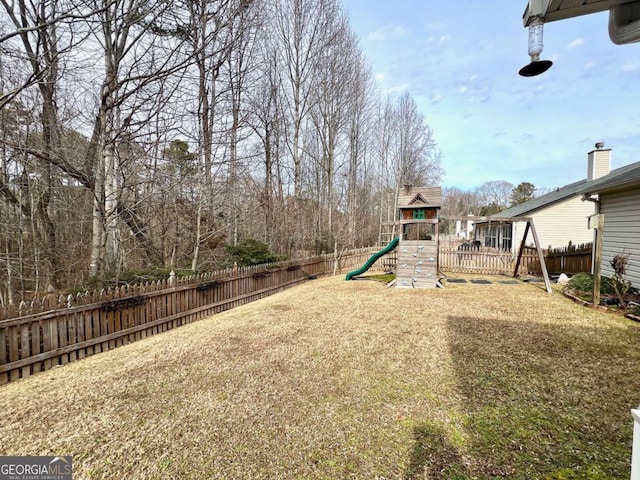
56, 330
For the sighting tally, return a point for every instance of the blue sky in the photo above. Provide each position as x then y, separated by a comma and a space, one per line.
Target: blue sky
460, 61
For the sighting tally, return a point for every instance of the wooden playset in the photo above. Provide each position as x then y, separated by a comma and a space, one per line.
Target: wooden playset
417, 265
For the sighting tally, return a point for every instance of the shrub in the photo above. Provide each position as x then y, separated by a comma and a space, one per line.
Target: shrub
251, 252
620, 285
583, 283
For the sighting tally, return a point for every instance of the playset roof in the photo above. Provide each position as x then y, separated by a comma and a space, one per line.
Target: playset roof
414, 197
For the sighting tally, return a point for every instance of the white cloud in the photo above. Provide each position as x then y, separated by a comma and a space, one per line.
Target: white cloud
444, 39
576, 43
379, 77
399, 31
631, 67
463, 89
590, 65
387, 31
398, 88
437, 25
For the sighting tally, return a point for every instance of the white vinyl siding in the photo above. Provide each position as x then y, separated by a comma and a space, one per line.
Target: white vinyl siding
621, 231
558, 224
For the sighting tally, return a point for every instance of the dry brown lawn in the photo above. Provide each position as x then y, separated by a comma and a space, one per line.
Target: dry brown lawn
335, 379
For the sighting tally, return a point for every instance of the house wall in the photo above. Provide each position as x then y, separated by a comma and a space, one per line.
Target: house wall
558, 224
621, 231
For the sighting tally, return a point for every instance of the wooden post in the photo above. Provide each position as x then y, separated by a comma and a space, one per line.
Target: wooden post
597, 259
4, 377
543, 265
522, 244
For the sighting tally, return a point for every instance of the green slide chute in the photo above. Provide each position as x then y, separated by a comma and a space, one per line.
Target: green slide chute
374, 257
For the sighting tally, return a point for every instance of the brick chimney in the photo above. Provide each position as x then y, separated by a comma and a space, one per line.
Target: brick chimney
598, 162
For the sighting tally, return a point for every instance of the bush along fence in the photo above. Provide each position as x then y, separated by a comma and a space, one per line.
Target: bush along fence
55, 330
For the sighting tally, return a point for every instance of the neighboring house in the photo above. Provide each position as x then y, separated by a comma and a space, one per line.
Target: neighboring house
559, 217
618, 195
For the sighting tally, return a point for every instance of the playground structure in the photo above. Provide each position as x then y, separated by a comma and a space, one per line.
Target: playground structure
367, 265
417, 243
417, 265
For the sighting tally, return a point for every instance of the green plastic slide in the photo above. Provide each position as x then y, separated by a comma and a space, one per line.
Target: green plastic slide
393, 244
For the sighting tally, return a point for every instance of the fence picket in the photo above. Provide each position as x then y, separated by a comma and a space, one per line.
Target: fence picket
4, 376
14, 349
25, 349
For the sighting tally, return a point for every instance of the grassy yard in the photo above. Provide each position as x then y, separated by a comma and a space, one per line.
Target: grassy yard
335, 379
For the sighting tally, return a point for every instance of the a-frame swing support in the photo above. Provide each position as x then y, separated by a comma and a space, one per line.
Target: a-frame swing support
530, 226
543, 265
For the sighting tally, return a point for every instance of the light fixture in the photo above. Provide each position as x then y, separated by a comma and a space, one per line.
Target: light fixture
537, 66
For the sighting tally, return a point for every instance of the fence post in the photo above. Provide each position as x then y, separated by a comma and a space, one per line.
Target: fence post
635, 452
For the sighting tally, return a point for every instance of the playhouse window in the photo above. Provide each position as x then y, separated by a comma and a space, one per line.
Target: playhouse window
419, 231
418, 215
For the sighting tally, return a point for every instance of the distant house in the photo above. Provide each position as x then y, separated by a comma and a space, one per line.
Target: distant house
618, 199
559, 217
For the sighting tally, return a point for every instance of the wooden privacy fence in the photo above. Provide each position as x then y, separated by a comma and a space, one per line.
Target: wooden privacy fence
56, 330
487, 261
571, 259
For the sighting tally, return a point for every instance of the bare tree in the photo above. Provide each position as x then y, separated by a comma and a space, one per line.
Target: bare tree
493, 196
267, 122
360, 181
329, 114
144, 132
417, 158
43, 35
217, 31
301, 28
